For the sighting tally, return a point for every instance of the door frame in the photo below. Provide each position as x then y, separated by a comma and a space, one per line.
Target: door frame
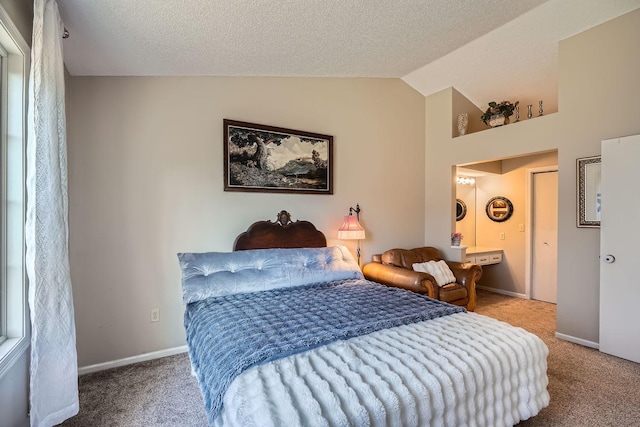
528, 220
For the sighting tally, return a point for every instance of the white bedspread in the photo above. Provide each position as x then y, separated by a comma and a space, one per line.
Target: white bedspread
460, 370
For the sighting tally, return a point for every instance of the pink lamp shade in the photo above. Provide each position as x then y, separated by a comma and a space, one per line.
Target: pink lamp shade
351, 229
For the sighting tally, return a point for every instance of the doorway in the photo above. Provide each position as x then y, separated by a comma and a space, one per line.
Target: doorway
542, 224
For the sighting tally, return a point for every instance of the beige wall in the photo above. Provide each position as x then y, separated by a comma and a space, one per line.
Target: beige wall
146, 180
460, 104
21, 13
443, 153
599, 94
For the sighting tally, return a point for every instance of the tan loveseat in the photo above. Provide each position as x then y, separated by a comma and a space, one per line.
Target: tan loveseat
395, 268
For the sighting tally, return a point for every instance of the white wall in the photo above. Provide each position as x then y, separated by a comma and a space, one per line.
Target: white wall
599, 94
146, 180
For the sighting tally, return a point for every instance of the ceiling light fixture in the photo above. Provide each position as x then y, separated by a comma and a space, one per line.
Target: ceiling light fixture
464, 180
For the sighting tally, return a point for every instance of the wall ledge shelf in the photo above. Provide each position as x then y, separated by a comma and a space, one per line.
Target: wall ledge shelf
455, 134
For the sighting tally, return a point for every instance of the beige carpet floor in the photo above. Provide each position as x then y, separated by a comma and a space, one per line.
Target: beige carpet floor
587, 388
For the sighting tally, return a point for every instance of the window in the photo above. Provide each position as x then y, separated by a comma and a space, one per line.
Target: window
14, 69
5, 202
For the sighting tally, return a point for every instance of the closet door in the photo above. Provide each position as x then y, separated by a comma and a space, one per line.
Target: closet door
619, 235
544, 236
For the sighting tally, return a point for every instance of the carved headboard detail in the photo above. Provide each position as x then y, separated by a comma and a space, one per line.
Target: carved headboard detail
283, 233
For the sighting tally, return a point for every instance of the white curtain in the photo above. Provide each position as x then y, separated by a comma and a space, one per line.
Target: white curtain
54, 368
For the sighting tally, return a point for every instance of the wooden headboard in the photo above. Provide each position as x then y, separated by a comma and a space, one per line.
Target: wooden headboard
283, 233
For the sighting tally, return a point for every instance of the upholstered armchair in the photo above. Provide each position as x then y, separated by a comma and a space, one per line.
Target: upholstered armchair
395, 268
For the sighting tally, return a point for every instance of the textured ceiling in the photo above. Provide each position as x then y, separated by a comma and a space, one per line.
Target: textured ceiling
359, 38
487, 49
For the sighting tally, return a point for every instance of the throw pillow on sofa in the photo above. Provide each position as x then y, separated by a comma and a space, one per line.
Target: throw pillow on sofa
438, 269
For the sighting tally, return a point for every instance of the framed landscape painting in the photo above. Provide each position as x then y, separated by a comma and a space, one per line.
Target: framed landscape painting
271, 159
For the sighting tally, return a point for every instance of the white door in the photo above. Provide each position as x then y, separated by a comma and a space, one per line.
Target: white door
544, 236
619, 285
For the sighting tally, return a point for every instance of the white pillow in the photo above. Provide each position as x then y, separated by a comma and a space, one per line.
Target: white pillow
438, 269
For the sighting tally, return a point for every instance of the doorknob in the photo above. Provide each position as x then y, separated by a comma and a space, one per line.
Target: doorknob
609, 259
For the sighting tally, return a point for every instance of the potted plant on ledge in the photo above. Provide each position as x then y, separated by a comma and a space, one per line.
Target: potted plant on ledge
456, 238
498, 114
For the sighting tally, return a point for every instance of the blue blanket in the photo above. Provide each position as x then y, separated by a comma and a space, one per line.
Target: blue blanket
229, 334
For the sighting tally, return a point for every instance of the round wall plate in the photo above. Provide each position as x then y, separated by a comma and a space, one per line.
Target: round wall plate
499, 209
461, 210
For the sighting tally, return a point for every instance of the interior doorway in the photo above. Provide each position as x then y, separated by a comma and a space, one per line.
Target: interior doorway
542, 223
511, 178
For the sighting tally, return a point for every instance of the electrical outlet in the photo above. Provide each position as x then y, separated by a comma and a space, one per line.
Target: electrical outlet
521, 227
502, 235
155, 315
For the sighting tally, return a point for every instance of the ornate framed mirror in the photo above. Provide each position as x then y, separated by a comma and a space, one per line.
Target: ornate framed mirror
589, 196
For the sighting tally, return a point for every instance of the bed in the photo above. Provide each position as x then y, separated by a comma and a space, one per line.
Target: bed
285, 331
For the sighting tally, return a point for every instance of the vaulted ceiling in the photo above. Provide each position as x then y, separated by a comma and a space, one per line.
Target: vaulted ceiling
487, 49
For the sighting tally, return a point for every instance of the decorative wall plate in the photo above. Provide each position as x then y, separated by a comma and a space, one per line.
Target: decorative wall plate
499, 209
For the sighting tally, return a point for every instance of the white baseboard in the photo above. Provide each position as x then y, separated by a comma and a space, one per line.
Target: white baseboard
580, 341
133, 359
503, 292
